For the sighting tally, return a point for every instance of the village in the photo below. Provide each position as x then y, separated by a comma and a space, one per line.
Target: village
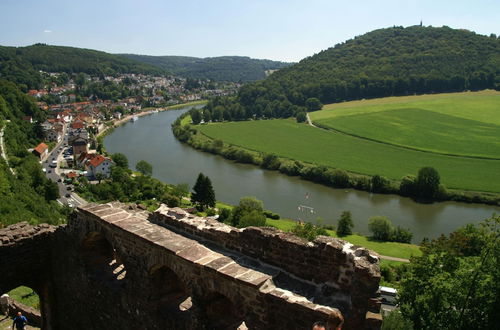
80, 108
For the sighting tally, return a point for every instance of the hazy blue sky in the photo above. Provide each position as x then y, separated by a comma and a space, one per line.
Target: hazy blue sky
275, 29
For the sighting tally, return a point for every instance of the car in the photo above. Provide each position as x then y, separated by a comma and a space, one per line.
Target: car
68, 195
49, 171
59, 180
53, 158
69, 188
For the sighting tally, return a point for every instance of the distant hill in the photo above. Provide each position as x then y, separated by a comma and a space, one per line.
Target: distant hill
223, 68
384, 62
21, 64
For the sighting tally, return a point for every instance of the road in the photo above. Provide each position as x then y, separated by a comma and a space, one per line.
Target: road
53, 173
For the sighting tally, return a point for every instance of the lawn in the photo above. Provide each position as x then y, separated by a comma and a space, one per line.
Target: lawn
392, 249
465, 124
26, 296
423, 130
479, 106
288, 139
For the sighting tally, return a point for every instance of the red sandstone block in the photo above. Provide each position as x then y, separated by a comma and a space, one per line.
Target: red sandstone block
195, 252
219, 262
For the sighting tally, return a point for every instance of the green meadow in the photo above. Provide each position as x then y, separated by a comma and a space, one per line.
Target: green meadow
356, 154
464, 124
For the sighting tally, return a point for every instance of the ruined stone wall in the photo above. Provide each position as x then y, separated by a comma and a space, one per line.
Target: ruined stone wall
25, 259
115, 267
350, 273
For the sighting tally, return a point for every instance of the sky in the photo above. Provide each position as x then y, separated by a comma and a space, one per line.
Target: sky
272, 29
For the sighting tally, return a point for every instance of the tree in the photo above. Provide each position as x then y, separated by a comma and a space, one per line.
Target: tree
253, 218
203, 193
99, 176
313, 104
246, 205
427, 183
144, 167
195, 116
51, 190
120, 160
301, 117
452, 288
380, 227
181, 190
345, 224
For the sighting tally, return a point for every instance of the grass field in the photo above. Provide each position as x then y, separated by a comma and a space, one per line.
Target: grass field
309, 144
26, 296
465, 124
392, 249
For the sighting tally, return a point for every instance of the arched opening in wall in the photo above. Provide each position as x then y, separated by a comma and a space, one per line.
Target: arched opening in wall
168, 292
21, 299
221, 313
101, 258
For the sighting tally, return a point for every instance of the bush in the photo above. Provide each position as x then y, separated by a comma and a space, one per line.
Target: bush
308, 231
224, 214
301, 117
401, 235
171, 200
253, 218
270, 161
210, 212
337, 178
380, 227
271, 215
380, 184
407, 186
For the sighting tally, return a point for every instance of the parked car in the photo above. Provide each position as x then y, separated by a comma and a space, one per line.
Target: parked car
68, 195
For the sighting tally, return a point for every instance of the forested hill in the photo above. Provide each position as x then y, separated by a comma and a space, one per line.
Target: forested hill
385, 62
223, 68
21, 64
25, 193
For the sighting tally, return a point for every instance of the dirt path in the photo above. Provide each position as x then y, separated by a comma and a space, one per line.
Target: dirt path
309, 120
394, 258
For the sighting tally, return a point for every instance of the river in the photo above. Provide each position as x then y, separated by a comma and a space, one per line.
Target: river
150, 138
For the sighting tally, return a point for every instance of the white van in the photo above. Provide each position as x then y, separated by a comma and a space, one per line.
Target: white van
388, 295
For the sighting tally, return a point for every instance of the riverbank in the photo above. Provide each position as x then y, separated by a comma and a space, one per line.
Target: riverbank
197, 138
145, 112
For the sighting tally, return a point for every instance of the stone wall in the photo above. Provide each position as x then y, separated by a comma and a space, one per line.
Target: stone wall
118, 267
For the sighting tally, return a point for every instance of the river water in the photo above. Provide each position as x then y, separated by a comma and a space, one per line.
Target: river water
150, 138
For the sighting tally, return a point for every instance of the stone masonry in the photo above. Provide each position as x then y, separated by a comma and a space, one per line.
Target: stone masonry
119, 267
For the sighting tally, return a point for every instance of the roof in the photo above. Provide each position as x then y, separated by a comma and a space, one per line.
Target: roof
97, 160
76, 125
41, 148
71, 175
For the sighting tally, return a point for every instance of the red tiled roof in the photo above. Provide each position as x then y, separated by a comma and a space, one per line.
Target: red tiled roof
40, 149
71, 175
97, 160
77, 125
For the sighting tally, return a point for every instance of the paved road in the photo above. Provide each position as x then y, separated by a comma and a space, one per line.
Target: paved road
53, 173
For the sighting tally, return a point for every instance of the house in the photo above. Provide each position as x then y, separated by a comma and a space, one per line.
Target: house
77, 124
41, 150
29, 119
79, 145
98, 165
55, 133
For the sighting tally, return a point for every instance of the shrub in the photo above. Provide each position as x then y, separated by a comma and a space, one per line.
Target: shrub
224, 214
380, 227
171, 200
301, 117
271, 215
253, 218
